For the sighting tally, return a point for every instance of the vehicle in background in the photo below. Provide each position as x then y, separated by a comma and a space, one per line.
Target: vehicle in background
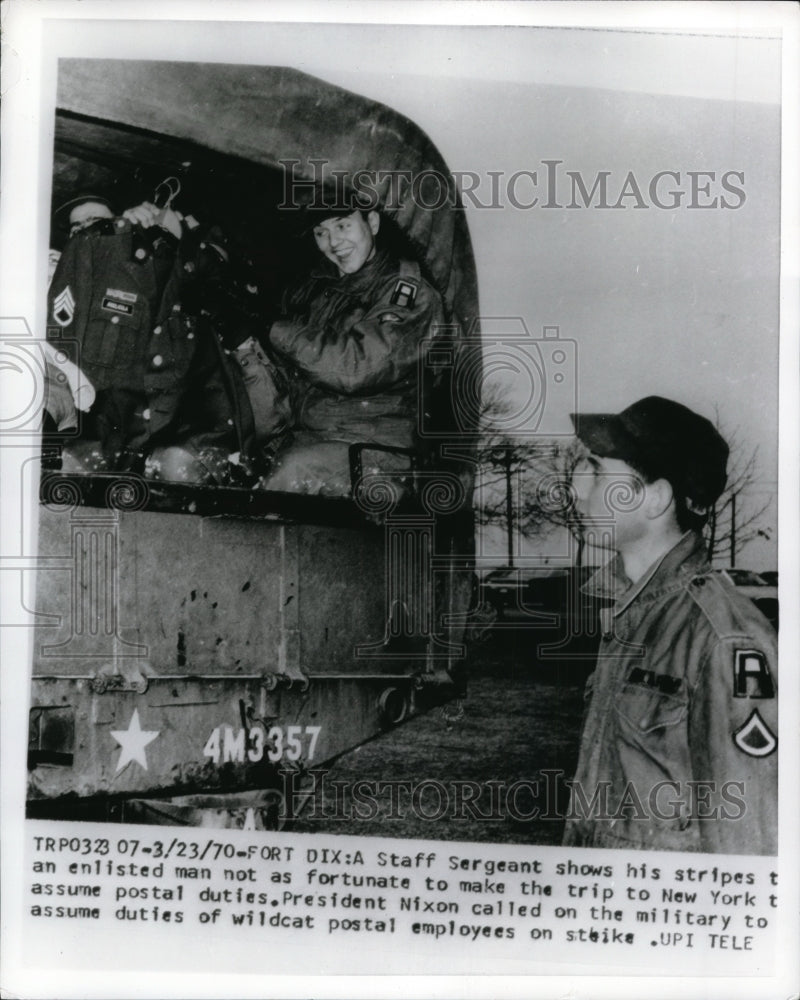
501, 587
563, 621
761, 591
522, 591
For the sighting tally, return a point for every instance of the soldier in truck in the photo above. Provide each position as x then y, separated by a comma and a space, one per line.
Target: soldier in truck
349, 340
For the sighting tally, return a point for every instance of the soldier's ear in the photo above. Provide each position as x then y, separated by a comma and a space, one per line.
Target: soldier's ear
659, 498
374, 222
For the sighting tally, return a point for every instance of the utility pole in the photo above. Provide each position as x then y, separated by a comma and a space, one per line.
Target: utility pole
509, 508
733, 530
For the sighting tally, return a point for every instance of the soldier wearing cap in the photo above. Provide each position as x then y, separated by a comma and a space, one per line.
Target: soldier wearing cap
349, 340
83, 210
678, 750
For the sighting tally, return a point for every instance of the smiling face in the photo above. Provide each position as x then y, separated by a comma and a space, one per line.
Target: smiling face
348, 241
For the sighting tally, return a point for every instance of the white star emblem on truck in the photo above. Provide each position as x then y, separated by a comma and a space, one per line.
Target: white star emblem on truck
133, 741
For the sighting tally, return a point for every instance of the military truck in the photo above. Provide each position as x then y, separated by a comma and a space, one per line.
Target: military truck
195, 644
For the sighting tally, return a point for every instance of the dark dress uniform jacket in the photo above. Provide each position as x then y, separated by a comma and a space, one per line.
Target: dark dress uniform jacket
116, 309
680, 731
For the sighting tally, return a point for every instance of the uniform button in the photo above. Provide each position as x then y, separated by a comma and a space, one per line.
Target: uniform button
158, 361
188, 267
202, 246
156, 329
140, 254
190, 336
146, 414
120, 223
115, 319
177, 307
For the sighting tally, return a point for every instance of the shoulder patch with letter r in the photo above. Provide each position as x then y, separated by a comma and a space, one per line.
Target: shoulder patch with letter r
751, 676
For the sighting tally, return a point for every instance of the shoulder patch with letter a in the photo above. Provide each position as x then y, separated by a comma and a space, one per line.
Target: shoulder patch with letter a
751, 676
754, 737
404, 294
64, 307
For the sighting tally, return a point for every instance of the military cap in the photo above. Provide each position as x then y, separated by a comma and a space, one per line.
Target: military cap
61, 214
662, 439
327, 201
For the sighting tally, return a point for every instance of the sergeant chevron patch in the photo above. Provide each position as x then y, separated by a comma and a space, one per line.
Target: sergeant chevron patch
64, 307
754, 737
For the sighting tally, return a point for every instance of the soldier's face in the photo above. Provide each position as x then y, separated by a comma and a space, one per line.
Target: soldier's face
348, 241
88, 211
610, 497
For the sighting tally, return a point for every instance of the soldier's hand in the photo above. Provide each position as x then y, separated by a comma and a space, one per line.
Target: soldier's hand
147, 214
144, 215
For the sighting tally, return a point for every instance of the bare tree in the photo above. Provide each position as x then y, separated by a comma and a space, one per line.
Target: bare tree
552, 503
737, 518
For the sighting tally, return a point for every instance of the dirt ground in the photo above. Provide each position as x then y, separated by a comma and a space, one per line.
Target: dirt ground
519, 719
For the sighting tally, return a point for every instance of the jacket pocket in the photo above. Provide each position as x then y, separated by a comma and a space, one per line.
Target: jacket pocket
648, 710
111, 345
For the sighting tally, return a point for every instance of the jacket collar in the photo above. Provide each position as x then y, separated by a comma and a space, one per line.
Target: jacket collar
345, 290
373, 269
683, 561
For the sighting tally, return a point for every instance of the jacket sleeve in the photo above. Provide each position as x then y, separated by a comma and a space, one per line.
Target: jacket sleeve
733, 743
69, 298
373, 348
